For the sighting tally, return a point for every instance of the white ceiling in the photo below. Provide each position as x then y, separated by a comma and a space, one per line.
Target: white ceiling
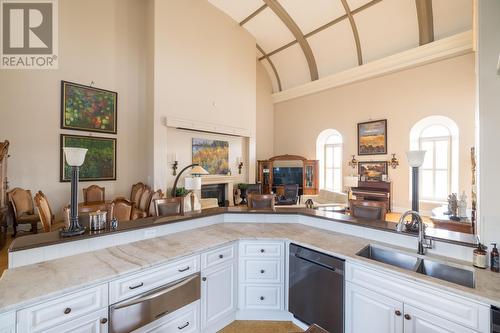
384, 27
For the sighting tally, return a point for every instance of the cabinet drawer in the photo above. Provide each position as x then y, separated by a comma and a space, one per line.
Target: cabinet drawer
261, 270
454, 308
261, 249
61, 310
218, 256
96, 322
139, 283
185, 320
262, 297
8, 322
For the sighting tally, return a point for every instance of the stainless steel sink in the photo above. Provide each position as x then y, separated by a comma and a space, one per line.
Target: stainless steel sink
462, 276
390, 257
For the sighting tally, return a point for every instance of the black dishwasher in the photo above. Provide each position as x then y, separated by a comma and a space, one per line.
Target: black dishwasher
316, 291
495, 319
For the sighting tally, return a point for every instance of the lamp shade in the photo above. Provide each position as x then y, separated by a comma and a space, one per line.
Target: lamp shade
192, 183
74, 156
198, 170
415, 158
351, 181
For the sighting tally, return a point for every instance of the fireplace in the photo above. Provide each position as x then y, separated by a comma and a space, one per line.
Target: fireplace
215, 191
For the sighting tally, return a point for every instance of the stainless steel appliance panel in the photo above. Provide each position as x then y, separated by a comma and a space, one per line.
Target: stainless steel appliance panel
137, 312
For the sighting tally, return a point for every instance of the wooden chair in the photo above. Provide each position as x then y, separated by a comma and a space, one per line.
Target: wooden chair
23, 208
254, 189
122, 209
261, 201
141, 208
94, 193
156, 196
169, 206
45, 213
136, 192
374, 210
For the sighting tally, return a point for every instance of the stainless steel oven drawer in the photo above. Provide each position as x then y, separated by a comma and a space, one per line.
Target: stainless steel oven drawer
138, 311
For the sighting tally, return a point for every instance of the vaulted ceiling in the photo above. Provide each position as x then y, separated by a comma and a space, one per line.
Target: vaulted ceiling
299, 41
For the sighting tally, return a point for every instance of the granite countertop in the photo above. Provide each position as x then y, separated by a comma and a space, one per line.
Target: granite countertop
51, 238
25, 285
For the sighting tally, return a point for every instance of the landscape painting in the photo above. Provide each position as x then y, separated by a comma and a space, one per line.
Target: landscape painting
372, 138
87, 108
100, 161
212, 155
372, 170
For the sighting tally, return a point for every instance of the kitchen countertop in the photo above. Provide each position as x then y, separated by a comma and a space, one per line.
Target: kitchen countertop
51, 238
25, 285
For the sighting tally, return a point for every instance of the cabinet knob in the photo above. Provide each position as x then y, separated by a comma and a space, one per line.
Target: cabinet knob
183, 326
398, 313
262, 250
221, 256
261, 298
67, 310
204, 279
407, 317
104, 320
262, 271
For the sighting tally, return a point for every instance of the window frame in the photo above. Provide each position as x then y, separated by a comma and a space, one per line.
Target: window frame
332, 168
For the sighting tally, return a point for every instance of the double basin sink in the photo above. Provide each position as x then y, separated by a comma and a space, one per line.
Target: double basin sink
435, 269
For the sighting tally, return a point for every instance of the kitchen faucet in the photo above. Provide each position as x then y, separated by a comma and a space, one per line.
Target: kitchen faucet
416, 222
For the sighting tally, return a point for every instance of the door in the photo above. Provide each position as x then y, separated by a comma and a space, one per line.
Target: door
419, 321
218, 293
367, 311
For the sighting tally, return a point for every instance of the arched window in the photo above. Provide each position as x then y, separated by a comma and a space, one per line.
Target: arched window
438, 136
329, 154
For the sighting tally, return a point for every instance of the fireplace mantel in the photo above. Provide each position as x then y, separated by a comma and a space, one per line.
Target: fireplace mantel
228, 181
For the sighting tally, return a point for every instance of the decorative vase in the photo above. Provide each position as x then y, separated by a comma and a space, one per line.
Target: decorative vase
243, 196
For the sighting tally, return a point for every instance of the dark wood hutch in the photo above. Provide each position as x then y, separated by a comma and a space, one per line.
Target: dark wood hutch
310, 173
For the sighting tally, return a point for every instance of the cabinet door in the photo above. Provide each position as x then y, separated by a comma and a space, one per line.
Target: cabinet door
218, 293
367, 311
418, 321
96, 322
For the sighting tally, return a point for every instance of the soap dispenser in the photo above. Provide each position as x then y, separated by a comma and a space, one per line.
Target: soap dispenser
494, 259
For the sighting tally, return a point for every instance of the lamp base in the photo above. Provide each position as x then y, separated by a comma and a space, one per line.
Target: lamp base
73, 231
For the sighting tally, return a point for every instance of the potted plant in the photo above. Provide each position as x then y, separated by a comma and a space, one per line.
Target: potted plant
243, 195
181, 192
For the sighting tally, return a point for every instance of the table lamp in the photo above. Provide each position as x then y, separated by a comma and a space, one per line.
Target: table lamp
75, 158
196, 171
350, 182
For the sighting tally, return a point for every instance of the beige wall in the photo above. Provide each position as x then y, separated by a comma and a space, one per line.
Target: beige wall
204, 72
265, 115
443, 88
100, 41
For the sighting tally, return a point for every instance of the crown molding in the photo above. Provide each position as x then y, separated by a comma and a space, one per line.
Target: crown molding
445, 48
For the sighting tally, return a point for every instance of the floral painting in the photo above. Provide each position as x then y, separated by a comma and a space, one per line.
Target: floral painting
372, 138
212, 155
87, 108
100, 160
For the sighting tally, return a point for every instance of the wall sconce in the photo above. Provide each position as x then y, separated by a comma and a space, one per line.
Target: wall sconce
239, 162
394, 162
175, 163
353, 163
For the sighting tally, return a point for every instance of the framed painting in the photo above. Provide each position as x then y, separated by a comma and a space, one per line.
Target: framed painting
100, 161
372, 137
212, 155
372, 170
85, 108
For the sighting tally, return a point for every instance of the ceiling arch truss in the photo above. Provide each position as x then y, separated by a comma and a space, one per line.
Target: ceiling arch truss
354, 31
272, 66
425, 21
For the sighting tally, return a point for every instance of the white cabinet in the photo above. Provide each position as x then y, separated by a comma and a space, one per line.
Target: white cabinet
96, 322
8, 322
367, 311
218, 291
418, 321
184, 320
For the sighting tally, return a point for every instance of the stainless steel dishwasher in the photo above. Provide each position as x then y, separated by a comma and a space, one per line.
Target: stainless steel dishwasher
139, 311
316, 288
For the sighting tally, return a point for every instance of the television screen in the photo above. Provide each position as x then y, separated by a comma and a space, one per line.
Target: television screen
287, 176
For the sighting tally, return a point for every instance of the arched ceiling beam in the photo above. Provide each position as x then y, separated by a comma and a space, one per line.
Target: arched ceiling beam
323, 27
354, 31
272, 66
425, 21
251, 16
297, 33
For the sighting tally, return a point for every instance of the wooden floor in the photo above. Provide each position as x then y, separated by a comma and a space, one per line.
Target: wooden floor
261, 327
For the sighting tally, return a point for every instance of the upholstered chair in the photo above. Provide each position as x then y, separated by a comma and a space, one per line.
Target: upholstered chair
261, 201
169, 206
136, 192
45, 213
156, 195
93, 193
290, 195
374, 210
122, 209
254, 189
23, 207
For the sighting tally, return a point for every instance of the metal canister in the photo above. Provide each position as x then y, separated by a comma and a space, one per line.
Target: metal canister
97, 220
